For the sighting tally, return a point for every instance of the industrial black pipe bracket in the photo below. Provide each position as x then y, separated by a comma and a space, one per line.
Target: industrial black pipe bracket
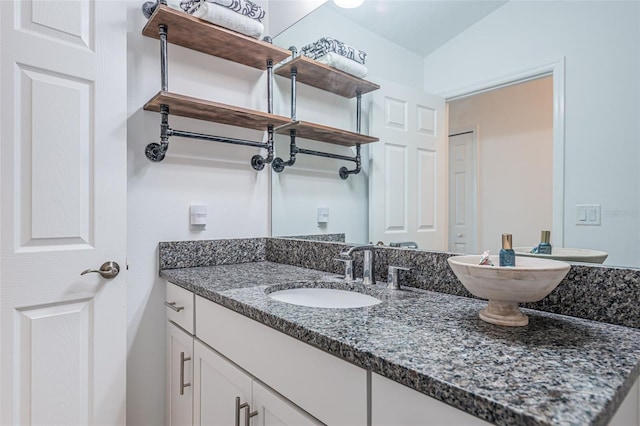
157, 151
279, 164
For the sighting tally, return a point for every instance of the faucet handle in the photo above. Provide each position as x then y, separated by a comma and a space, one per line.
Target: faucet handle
348, 268
393, 281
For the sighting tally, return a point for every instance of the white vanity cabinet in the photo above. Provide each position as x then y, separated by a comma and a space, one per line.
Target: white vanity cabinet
328, 388
179, 390
224, 395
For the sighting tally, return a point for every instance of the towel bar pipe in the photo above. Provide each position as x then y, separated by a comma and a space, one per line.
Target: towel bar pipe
156, 152
279, 164
326, 155
205, 137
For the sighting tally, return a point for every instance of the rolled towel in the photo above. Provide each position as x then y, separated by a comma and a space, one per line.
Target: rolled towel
224, 17
243, 7
327, 44
343, 64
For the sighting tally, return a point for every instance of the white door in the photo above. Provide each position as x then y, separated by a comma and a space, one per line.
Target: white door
216, 385
63, 198
179, 389
407, 183
462, 193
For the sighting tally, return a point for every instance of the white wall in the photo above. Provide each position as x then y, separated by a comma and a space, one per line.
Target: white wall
515, 155
159, 194
601, 44
281, 14
313, 182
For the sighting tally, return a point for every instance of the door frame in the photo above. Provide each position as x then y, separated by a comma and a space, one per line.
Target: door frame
555, 69
474, 130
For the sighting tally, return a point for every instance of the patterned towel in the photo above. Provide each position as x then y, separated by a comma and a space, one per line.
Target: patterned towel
243, 7
342, 63
224, 17
327, 44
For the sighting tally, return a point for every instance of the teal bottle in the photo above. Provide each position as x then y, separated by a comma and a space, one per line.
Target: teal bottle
507, 255
545, 247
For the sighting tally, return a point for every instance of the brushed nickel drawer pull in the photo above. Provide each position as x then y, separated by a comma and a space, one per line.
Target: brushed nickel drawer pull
173, 306
182, 383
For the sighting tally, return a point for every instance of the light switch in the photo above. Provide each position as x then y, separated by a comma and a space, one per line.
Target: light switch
323, 215
588, 214
582, 213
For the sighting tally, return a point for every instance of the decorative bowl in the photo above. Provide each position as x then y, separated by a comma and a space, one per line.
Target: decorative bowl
505, 287
565, 254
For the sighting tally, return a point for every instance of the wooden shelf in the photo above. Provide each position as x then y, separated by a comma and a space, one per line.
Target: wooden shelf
327, 78
319, 132
200, 109
194, 33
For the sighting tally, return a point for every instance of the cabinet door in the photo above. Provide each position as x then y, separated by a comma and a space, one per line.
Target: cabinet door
217, 384
179, 392
273, 410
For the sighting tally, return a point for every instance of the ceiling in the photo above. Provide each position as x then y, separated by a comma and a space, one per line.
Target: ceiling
421, 26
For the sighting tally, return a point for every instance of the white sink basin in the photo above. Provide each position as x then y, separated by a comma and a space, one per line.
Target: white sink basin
324, 298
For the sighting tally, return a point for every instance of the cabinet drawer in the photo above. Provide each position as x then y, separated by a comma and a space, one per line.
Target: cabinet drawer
328, 388
180, 310
393, 404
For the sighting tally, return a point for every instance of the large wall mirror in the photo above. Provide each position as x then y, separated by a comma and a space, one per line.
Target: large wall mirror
540, 101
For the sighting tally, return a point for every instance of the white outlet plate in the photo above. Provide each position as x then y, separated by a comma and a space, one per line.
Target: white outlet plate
588, 214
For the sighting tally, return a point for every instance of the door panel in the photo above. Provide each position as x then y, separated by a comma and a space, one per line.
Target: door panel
462, 193
52, 356
63, 197
408, 166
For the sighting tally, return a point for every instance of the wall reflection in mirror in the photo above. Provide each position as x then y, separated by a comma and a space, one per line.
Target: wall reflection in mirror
496, 117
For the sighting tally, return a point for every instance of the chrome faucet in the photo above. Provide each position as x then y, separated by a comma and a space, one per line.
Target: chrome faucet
368, 272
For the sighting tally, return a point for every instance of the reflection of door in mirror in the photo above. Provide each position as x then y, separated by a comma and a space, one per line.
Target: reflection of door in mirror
407, 168
462, 192
514, 145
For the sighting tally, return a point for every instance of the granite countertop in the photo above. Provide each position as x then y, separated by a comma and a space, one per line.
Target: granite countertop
556, 370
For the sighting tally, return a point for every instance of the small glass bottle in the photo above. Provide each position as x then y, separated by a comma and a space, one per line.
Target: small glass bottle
507, 255
545, 247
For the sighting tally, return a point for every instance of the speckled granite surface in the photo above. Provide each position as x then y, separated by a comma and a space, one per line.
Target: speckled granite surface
557, 370
187, 254
592, 292
338, 238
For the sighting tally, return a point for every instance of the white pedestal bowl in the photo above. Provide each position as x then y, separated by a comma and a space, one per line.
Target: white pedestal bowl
505, 287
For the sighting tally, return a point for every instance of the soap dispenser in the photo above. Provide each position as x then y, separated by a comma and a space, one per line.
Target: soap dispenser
507, 255
545, 247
